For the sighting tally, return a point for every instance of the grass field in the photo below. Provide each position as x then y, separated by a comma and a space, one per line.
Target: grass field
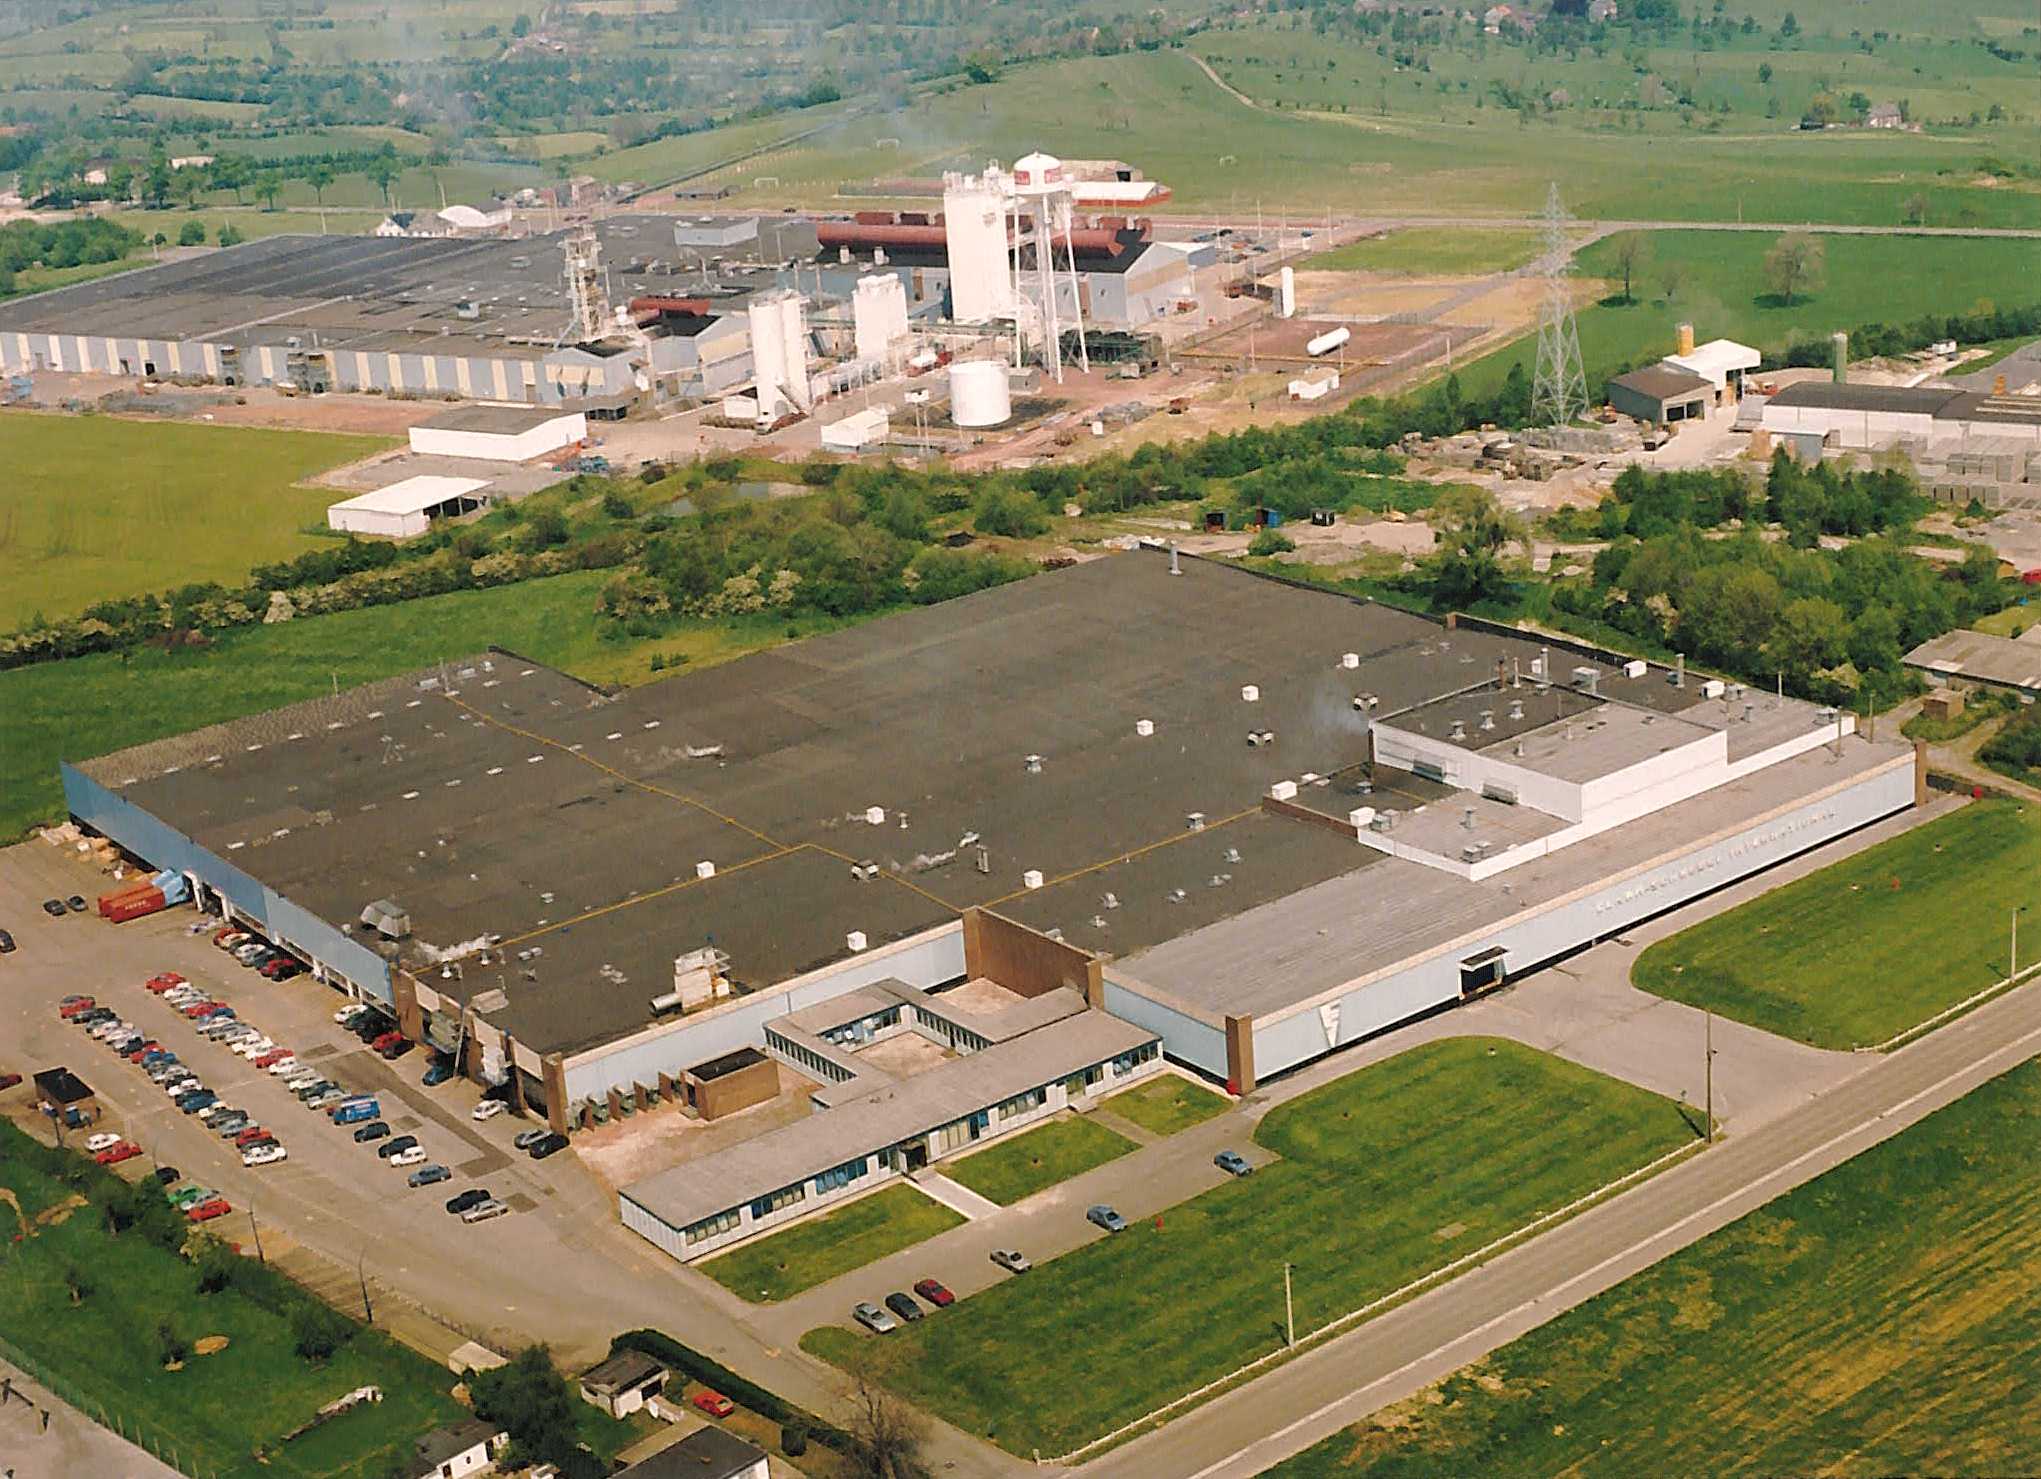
1165, 1104
2012, 621
782, 1264
94, 509
1025, 1163
90, 705
219, 1409
1869, 946
1432, 251
1384, 1175
1878, 1320
1724, 295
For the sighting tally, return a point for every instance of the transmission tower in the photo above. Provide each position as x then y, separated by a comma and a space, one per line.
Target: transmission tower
1559, 390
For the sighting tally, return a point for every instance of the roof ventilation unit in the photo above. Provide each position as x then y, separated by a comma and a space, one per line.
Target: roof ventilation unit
1111, 901
1488, 718
855, 940
876, 815
1586, 678
1459, 730
1284, 791
1032, 878
1492, 791
1350, 660
1257, 738
1144, 727
1034, 763
864, 871
1249, 694
1635, 668
1516, 709
1381, 821
387, 919
1195, 821
705, 870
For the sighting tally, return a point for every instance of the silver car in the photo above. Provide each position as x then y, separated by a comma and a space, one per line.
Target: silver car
483, 1211
874, 1319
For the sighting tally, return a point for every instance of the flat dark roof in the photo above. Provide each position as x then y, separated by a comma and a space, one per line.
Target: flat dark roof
728, 1064
499, 420
530, 807
1923, 400
1662, 383
61, 1086
706, 1453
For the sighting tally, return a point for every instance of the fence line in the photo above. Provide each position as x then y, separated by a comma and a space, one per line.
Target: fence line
127, 1427
1381, 1302
2005, 983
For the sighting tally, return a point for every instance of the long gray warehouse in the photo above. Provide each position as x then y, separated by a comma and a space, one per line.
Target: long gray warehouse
1238, 819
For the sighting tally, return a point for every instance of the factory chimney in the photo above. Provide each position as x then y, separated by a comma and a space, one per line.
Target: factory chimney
1686, 338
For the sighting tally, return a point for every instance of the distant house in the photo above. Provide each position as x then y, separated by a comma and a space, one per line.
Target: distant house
1885, 115
397, 223
1601, 10
706, 1453
191, 161
1493, 18
454, 1452
1559, 97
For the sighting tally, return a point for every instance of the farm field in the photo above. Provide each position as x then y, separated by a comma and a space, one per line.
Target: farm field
1432, 251
87, 706
96, 509
1383, 1175
1722, 292
1869, 946
1036, 1158
1878, 1320
219, 1410
814, 1252
1164, 1104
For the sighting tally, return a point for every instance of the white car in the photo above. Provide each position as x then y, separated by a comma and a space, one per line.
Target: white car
174, 1086
283, 1067
182, 996
264, 1155
488, 1109
101, 1031
483, 1211
214, 1111
413, 1157
348, 1015
304, 1078
103, 1140
252, 1048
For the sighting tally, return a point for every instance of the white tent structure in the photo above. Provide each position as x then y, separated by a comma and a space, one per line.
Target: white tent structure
407, 508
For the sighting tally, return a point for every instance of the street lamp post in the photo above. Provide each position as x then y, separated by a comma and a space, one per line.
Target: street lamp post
1289, 1310
1710, 1047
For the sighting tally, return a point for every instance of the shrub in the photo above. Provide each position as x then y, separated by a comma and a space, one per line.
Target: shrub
617, 506
793, 1439
1271, 542
1009, 512
317, 1332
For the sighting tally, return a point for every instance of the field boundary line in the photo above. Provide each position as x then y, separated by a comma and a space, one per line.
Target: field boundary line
1382, 1302
1929, 1024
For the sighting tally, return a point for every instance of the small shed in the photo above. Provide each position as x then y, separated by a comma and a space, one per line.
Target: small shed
1661, 394
58, 1091
498, 433
407, 508
1943, 704
737, 1080
457, 1450
624, 1383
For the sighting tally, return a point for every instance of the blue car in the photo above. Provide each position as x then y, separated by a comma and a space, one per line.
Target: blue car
439, 1073
427, 1175
158, 1055
198, 1099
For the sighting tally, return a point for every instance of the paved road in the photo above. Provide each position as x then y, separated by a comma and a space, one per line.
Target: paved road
69, 1446
1255, 1426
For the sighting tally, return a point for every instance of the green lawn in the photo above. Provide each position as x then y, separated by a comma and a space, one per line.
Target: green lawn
1878, 1320
1025, 1163
1871, 945
1383, 1176
1724, 295
89, 706
2011, 621
1164, 1104
1428, 251
782, 1264
97, 508
218, 1409
1979, 707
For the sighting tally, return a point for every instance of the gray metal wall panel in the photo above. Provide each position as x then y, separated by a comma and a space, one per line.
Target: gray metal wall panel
1185, 1038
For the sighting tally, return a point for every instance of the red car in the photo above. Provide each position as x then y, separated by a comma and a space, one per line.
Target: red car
113, 1155
144, 1050
9, 1080
388, 1039
201, 1008
164, 981
935, 1294
253, 1132
273, 1056
207, 1211
74, 1006
715, 1404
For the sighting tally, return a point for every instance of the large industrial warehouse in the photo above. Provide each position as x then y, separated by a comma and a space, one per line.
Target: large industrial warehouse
1131, 809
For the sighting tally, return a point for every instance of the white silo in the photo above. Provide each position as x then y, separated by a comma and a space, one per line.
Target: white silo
979, 393
878, 310
779, 353
1286, 293
975, 237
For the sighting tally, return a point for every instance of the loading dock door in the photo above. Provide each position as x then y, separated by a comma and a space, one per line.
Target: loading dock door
1482, 970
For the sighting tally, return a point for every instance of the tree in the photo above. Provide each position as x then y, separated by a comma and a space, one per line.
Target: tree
1631, 254
318, 1331
1008, 511
383, 171
1764, 74
1811, 634
1797, 260
229, 236
319, 176
156, 182
1821, 109
77, 1283
1790, 26
216, 1263
1472, 529
1672, 276
521, 26
269, 185
192, 233
532, 1402
887, 1433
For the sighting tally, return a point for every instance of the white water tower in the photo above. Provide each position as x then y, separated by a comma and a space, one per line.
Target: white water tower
979, 393
1042, 194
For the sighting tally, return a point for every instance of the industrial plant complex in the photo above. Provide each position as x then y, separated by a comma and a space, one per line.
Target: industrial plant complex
1064, 833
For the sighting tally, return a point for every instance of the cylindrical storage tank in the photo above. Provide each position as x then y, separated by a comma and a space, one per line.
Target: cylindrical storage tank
1286, 293
979, 395
1330, 340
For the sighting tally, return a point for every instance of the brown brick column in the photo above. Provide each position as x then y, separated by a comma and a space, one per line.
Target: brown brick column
556, 1091
1240, 1055
404, 996
1920, 773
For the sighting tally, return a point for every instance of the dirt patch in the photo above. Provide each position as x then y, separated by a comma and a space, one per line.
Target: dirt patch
1450, 1231
1281, 342
371, 414
58, 1215
209, 1345
653, 1140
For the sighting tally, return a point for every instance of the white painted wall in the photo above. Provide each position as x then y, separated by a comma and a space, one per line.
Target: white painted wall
561, 431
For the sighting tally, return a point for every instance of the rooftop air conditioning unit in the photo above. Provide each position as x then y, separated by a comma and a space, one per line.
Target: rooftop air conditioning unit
1585, 678
387, 919
1492, 791
1635, 668
1382, 821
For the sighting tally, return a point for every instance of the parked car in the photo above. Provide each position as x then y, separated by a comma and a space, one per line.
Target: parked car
75, 1006
488, 1109
315, 1088
903, 1306
264, 1155
373, 1130
873, 1318
196, 1100
207, 1211
165, 1175
229, 937
548, 1144
1233, 1163
76, 903
483, 1210
212, 1114
164, 981
396, 1146
383, 1039
54, 908
9, 1080
100, 1141
231, 1124
429, 1176
1012, 1260
349, 1015
127, 1150
187, 1197
1105, 1217
397, 1049
935, 1293
253, 1132
6, 943
284, 1067
415, 1156
715, 1404
474, 1196
325, 1098
304, 1078
438, 1073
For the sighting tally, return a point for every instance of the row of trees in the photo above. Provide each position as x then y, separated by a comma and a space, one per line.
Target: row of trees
60, 244
1808, 501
